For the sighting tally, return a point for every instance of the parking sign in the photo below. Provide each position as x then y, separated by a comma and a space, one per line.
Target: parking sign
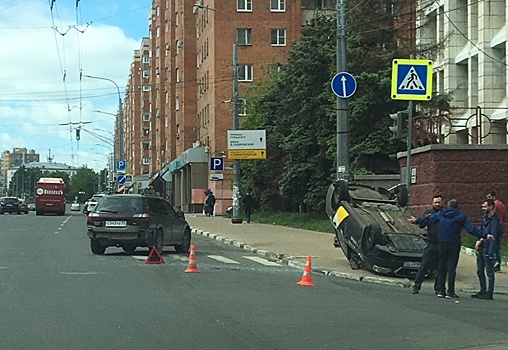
216, 163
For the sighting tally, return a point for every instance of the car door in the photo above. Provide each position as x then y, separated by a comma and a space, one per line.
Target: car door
177, 224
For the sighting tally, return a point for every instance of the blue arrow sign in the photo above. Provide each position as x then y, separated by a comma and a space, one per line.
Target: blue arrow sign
121, 179
343, 85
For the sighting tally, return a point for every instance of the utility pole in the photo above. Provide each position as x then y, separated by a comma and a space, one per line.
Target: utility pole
342, 108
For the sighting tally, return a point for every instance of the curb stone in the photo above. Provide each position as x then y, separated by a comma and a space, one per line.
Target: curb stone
292, 262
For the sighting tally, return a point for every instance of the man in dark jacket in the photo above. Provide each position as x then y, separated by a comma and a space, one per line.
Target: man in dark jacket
248, 202
430, 256
451, 222
486, 251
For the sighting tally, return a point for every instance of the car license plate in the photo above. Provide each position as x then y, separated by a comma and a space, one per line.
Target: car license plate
116, 223
414, 264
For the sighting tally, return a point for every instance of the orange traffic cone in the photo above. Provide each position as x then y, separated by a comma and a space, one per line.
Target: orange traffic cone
307, 278
192, 267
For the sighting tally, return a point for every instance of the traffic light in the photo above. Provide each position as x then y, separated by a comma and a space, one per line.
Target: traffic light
399, 119
78, 134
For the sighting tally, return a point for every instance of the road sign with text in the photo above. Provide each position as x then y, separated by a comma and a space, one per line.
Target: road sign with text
246, 139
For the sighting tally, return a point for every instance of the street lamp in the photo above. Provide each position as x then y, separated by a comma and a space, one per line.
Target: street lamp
236, 218
119, 115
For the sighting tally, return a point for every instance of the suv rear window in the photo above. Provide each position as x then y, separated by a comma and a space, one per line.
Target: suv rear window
9, 200
121, 205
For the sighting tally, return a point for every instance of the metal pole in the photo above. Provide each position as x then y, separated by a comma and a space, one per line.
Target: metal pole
409, 144
342, 103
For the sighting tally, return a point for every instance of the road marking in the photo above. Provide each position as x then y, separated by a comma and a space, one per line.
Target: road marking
81, 273
262, 261
222, 259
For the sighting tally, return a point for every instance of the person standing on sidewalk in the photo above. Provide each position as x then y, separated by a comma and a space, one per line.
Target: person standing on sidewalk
430, 257
451, 222
248, 202
486, 251
500, 210
210, 204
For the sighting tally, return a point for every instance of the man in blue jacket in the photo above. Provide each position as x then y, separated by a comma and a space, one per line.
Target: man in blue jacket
451, 222
486, 251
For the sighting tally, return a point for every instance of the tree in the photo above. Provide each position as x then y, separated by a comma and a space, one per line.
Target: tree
83, 184
297, 109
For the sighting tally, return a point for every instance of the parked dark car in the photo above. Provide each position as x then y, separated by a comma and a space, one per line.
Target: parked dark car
10, 205
133, 220
372, 229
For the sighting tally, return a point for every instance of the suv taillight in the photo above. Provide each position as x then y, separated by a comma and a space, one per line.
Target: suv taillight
92, 217
141, 217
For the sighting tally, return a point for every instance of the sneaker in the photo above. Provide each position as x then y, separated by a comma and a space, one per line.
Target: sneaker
497, 267
440, 295
415, 291
452, 296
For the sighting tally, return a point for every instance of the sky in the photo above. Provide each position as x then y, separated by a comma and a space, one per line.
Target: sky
43, 52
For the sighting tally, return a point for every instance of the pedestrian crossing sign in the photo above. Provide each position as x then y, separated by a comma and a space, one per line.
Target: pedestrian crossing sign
411, 80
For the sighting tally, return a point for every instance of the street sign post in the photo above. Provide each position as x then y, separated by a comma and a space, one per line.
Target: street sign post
411, 80
343, 85
121, 165
217, 163
247, 144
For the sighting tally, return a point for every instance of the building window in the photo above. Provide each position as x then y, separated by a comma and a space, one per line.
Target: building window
146, 59
244, 5
278, 37
146, 146
158, 32
146, 160
177, 73
244, 36
146, 73
177, 103
146, 131
157, 51
146, 87
245, 72
277, 5
146, 117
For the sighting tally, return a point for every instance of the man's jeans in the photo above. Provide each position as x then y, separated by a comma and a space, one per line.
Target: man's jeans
485, 262
430, 259
448, 260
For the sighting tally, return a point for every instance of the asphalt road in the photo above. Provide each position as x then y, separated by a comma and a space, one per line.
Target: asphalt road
55, 294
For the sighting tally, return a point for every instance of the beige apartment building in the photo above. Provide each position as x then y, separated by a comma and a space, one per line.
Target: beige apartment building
16, 158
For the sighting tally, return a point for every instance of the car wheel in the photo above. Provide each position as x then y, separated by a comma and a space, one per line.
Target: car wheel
186, 241
370, 238
129, 248
96, 247
337, 192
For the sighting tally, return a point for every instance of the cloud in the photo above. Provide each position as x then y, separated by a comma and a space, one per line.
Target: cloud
34, 96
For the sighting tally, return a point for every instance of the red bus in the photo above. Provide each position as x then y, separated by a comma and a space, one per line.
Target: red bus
50, 196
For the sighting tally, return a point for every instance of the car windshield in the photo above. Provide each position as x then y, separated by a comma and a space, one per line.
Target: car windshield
120, 205
96, 198
9, 200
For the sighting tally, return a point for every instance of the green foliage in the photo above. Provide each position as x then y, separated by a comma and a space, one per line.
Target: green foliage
305, 221
297, 109
85, 181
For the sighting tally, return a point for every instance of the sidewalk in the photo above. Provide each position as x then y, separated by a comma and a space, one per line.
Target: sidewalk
292, 246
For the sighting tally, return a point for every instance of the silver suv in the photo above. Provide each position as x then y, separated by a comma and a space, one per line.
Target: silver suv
133, 220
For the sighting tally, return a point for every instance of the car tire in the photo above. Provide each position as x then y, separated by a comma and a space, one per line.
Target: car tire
402, 196
370, 238
96, 247
186, 241
337, 192
129, 248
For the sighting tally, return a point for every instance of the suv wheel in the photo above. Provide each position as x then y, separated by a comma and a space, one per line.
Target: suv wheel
96, 247
129, 248
186, 240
